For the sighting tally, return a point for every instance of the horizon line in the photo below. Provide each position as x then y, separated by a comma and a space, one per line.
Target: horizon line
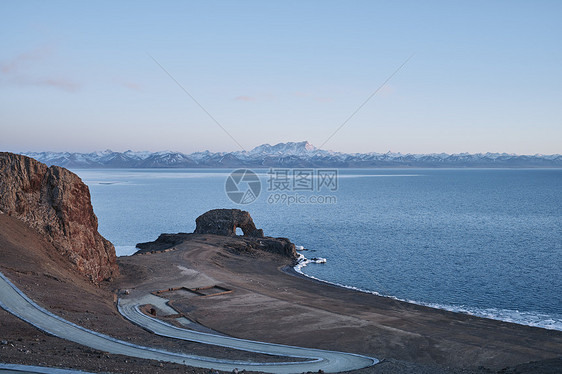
108, 150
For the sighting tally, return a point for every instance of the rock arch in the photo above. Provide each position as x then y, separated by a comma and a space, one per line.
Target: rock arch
225, 221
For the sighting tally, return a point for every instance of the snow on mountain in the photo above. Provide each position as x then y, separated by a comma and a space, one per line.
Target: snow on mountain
286, 149
292, 154
142, 155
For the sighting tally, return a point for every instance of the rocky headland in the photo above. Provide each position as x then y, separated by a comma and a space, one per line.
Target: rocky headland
56, 203
224, 222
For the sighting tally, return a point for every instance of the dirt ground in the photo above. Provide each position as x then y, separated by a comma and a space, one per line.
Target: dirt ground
268, 304
36, 268
265, 304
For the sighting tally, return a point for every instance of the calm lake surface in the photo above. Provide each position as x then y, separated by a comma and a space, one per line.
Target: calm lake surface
485, 242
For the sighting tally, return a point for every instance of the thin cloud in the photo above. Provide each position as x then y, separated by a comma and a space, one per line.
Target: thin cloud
245, 98
62, 84
59, 83
13, 65
132, 86
16, 71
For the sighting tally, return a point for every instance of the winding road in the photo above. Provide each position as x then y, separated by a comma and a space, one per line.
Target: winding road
27, 369
16, 302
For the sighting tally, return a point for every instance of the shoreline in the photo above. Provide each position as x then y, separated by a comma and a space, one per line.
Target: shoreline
479, 312
437, 306
270, 301
265, 304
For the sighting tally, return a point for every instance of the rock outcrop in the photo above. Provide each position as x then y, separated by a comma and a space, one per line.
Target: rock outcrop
56, 203
280, 246
225, 221
164, 241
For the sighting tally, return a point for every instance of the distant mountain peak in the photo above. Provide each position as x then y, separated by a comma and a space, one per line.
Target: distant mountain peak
289, 148
309, 147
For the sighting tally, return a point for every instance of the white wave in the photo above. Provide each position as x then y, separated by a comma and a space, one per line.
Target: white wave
303, 261
534, 319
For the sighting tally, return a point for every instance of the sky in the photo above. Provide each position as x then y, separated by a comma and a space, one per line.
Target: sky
461, 76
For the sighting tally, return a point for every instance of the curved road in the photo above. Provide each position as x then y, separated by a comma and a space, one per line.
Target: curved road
25, 369
17, 303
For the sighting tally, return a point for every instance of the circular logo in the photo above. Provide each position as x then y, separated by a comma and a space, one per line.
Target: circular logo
243, 186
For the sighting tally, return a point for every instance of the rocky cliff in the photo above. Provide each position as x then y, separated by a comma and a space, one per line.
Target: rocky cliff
56, 203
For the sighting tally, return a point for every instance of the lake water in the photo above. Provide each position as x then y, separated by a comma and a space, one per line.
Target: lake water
485, 242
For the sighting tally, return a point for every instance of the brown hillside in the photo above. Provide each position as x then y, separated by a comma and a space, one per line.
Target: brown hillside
56, 203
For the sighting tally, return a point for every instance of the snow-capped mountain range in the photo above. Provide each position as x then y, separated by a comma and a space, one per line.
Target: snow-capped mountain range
292, 154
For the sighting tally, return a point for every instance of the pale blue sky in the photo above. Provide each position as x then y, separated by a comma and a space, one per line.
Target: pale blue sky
486, 75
